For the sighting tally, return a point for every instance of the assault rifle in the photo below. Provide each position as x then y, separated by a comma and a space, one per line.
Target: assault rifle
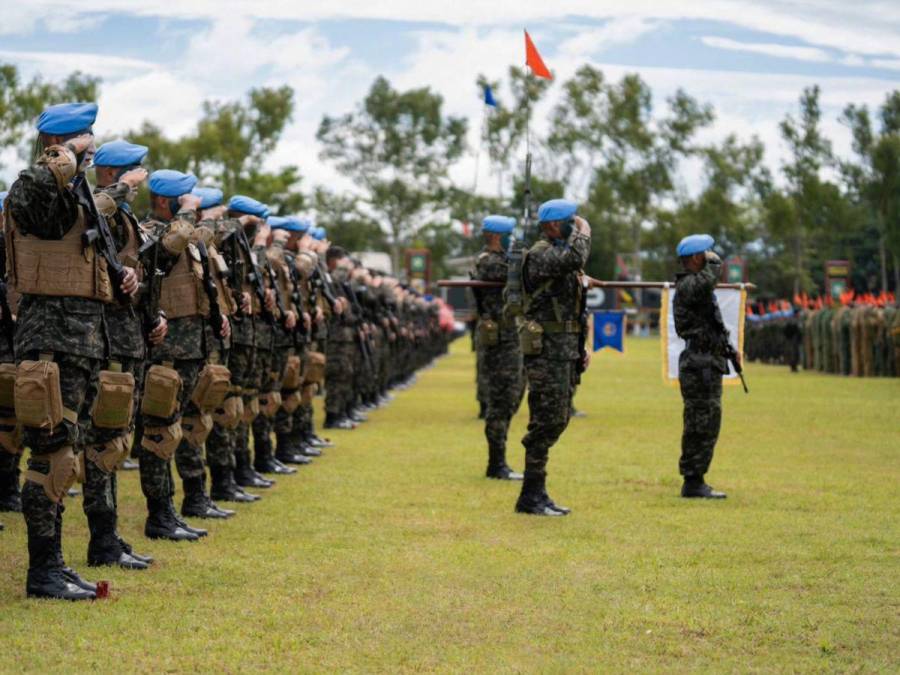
279, 300
100, 237
255, 276
216, 319
297, 300
513, 299
361, 340
236, 269
153, 278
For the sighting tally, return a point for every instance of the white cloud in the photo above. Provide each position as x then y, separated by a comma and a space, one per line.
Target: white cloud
768, 49
867, 27
590, 41
66, 62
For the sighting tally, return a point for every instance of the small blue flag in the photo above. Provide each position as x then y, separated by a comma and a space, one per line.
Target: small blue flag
489, 97
609, 330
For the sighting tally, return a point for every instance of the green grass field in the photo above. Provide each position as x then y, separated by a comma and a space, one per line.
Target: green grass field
392, 553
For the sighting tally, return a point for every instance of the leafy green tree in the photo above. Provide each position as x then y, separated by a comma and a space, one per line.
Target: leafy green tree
396, 147
22, 102
230, 146
811, 217
345, 223
874, 177
505, 127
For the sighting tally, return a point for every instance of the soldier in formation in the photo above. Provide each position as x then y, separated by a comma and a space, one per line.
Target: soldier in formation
499, 357
180, 337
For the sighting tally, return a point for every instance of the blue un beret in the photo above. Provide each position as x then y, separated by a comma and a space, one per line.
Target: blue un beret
318, 233
67, 118
209, 196
695, 243
248, 205
290, 223
120, 153
301, 224
2, 199
556, 209
498, 224
171, 183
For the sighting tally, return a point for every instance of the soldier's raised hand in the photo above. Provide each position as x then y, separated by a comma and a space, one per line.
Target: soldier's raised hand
134, 177
214, 212
189, 202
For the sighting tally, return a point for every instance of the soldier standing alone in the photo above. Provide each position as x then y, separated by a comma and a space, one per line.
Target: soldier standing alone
552, 340
701, 365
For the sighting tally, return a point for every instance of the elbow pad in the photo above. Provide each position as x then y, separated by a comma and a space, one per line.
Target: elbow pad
62, 164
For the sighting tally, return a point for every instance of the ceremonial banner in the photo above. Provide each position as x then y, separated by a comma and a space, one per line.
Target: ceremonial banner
609, 330
732, 305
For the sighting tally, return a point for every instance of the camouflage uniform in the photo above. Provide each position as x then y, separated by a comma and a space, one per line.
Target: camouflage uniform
69, 330
550, 277
126, 354
501, 362
341, 356
184, 349
700, 366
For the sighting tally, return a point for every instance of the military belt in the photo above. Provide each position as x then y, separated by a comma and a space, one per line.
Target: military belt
561, 326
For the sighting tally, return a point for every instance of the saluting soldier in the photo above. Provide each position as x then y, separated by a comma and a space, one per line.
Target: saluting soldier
65, 284
552, 341
119, 174
703, 362
498, 347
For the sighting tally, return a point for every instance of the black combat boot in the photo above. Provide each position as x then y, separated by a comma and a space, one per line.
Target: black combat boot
68, 573
263, 460
533, 499
335, 421
130, 551
160, 525
355, 415
482, 410
696, 488
105, 548
498, 468
224, 489
245, 476
10, 496
45, 575
286, 451
181, 522
196, 503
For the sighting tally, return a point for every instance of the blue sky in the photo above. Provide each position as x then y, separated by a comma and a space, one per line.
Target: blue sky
159, 60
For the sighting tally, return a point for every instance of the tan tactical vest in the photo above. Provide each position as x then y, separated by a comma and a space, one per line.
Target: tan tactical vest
56, 267
182, 291
128, 255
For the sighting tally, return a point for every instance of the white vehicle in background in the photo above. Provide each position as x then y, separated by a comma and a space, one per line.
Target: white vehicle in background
375, 260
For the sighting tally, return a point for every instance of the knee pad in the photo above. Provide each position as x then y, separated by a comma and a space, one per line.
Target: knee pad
61, 476
195, 429
162, 441
290, 402
269, 403
230, 413
108, 456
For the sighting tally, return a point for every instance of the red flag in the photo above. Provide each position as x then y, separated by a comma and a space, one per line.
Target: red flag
534, 61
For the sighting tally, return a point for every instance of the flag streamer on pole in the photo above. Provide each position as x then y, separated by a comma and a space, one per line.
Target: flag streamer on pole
534, 61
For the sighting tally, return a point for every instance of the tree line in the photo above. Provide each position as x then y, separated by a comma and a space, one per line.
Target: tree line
607, 143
